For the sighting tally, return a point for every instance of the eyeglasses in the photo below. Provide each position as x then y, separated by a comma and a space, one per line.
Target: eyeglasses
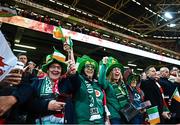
89, 66
54, 67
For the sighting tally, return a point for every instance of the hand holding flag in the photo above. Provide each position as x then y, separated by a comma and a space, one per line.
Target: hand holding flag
67, 42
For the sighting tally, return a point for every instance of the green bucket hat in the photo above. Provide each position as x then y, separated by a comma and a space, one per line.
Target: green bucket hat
112, 63
55, 57
81, 61
132, 77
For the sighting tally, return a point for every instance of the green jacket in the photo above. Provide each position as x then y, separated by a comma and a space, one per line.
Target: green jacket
81, 102
114, 103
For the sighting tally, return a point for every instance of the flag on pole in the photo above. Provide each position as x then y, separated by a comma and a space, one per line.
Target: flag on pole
176, 95
58, 34
7, 59
153, 115
59, 56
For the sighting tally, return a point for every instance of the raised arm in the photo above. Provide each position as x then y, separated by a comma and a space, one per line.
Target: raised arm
102, 73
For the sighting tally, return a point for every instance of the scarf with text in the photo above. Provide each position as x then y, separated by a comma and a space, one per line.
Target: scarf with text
94, 111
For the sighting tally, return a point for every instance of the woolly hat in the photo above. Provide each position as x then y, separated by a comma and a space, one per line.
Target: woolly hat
81, 61
55, 57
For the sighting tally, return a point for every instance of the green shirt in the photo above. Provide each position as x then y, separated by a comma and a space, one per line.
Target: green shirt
114, 102
81, 101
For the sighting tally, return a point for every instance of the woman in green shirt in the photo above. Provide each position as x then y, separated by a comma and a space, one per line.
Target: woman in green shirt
88, 100
110, 77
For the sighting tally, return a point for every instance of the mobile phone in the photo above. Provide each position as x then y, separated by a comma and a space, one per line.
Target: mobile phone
145, 104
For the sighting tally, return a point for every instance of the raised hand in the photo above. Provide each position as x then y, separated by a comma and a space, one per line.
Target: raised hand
71, 67
14, 77
105, 60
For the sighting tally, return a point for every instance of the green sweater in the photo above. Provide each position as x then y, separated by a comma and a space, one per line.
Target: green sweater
114, 102
81, 102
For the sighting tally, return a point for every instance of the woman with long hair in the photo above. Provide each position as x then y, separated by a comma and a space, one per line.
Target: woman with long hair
110, 77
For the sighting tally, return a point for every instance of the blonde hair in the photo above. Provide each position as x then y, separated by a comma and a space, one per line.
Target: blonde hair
110, 77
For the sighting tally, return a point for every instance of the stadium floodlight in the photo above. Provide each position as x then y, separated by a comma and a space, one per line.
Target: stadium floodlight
168, 15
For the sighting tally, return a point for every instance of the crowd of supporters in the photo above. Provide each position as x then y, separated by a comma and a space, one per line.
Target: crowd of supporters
65, 91
87, 92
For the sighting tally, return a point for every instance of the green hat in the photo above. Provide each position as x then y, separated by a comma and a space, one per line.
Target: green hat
55, 57
132, 77
80, 63
112, 63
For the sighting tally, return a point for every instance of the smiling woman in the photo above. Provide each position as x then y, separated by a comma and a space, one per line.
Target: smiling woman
52, 99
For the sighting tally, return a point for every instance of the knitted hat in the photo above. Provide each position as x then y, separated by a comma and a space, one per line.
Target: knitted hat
55, 57
80, 63
112, 63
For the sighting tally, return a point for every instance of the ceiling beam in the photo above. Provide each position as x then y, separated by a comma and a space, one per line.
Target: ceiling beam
146, 17
147, 29
75, 2
121, 12
118, 5
161, 26
160, 40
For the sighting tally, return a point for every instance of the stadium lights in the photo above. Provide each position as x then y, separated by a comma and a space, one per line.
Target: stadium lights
52, 1
68, 24
106, 35
59, 3
171, 25
72, 8
168, 15
24, 46
139, 69
78, 11
130, 64
126, 67
17, 41
18, 50
84, 13
90, 15
66, 6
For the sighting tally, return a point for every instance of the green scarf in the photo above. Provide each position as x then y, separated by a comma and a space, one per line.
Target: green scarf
121, 93
94, 111
46, 87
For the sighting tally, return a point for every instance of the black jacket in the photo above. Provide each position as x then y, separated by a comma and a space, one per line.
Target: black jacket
38, 106
152, 93
17, 113
168, 86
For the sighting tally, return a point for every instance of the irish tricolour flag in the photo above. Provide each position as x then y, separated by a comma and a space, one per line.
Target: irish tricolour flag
59, 56
176, 95
153, 115
58, 33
